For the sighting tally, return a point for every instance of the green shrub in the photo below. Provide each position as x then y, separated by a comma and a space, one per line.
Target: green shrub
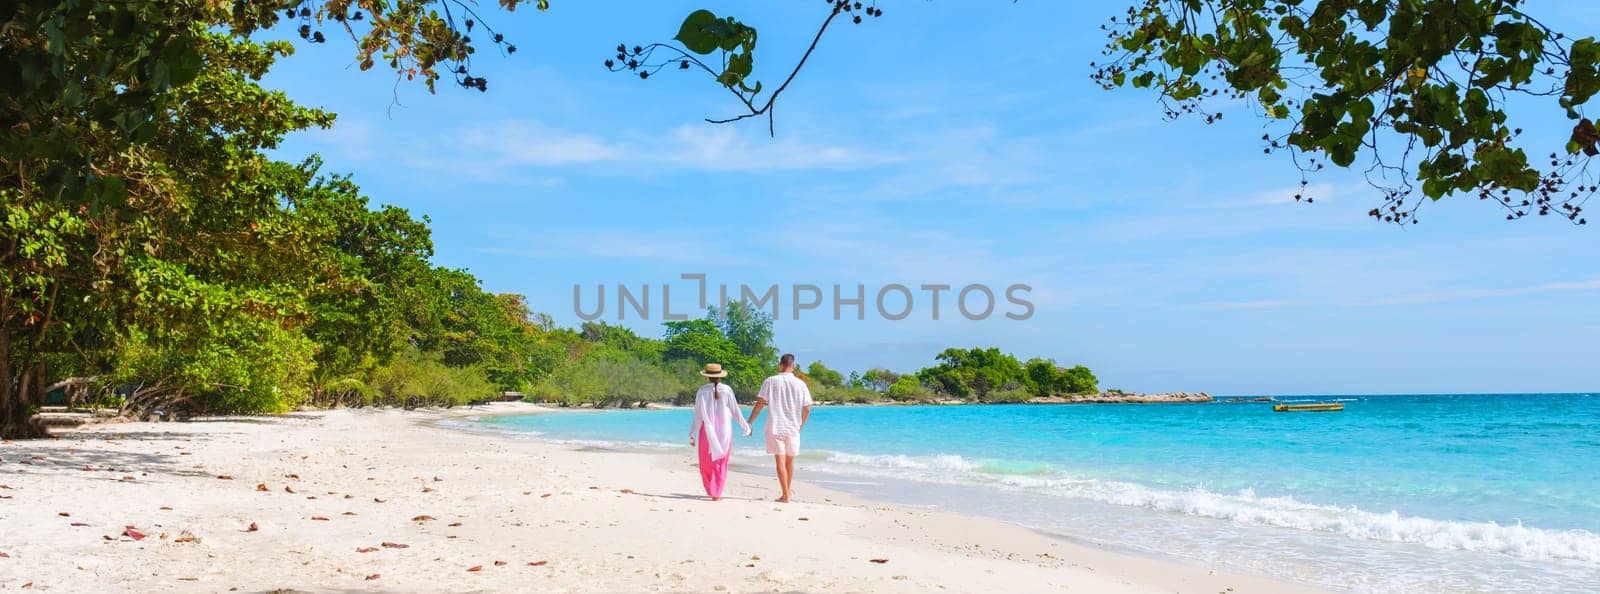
907, 388
1009, 395
844, 394
417, 378
604, 377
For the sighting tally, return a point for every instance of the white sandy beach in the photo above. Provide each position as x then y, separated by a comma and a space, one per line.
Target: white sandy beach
330, 494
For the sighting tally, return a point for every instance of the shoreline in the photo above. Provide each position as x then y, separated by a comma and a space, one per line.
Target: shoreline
338, 483
1102, 398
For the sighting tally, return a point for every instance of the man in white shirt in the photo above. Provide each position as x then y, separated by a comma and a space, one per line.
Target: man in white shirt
790, 401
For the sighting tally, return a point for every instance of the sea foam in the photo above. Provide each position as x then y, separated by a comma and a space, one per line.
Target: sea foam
1243, 507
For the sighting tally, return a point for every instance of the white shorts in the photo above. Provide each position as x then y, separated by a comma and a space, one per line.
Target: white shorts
783, 445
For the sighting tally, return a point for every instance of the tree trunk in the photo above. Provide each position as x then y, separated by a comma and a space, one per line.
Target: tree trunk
16, 399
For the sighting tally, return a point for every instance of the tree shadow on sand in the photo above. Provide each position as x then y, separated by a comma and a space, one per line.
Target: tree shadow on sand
98, 451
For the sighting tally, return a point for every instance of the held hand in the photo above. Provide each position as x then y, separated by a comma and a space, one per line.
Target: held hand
691, 442
747, 432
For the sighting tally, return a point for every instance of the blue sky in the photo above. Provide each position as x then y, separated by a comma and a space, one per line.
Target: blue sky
953, 142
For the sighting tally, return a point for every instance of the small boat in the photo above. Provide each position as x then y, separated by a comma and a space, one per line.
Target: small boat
1313, 407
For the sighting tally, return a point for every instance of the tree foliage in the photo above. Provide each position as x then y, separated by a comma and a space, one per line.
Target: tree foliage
750, 329
908, 387
149, 241
703, 340
844, 394
824, 375
878, 379
1044, 378
417, 378
973, 372
138, 198
604, 376
1413, 92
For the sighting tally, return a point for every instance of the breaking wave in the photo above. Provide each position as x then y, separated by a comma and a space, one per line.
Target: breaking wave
1243, 507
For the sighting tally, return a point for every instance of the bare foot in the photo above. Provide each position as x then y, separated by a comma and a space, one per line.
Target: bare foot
783, 499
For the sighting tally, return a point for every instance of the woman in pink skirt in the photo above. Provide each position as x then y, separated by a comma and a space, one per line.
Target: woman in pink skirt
715, 410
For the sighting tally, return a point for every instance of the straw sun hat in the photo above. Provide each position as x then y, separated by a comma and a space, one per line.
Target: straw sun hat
714, 370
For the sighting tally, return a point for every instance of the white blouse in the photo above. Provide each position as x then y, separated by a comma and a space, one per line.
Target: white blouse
716, 415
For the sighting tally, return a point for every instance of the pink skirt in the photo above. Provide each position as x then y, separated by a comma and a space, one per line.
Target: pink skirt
713, 473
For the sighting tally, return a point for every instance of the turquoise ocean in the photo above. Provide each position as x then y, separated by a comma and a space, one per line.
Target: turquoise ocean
1397, 493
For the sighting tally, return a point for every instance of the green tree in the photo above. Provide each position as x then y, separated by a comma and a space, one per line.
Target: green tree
372, 262
175, 226
972, 372
416, 378
1045, 378
909, 388
1079, 380
472, 327
1041, 376
1419, 92
606, 376
879, 379
250, 365
750, 329
824, 375
747, 353
623, 339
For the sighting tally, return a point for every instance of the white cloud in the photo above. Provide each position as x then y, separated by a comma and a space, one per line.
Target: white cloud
520, 143
723, 148
699, 147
